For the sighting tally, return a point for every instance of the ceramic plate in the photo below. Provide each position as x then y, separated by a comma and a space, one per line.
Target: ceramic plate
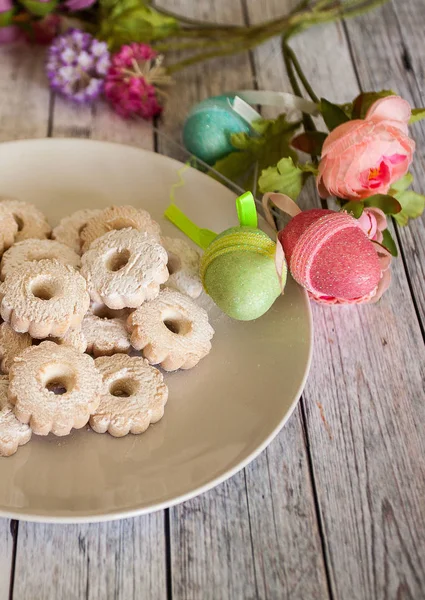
219, 416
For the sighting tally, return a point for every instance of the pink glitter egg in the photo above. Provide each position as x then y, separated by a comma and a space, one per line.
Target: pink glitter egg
329, 254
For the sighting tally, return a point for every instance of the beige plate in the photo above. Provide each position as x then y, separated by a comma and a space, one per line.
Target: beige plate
219, 416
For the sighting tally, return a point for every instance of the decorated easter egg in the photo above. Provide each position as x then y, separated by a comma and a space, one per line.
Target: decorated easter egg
329, 254
209, 126
238, 271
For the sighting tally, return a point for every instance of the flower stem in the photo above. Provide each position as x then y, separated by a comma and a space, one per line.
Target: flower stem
291, 55
225, 40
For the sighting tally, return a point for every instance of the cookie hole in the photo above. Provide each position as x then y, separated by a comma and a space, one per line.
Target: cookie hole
80, 229
121, 223
45, 289
178, 326
173, 264
58, 379
104, 312
118, 260
19, 222
57, 387
122, 388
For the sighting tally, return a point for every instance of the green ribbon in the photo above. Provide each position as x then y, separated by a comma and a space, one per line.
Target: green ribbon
247, 215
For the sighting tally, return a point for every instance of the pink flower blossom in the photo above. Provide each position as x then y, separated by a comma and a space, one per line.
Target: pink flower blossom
373, 222
364, 157
129, 85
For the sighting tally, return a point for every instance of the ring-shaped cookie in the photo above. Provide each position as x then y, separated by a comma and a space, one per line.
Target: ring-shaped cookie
69, 229
115, 218
133, 395
31, 223
44, 298
171, 331
105, 331
124, 268
183, 267
33, 249
54, 388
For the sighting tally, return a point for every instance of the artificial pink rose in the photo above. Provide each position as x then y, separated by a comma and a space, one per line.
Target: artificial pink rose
364, 157
373, 222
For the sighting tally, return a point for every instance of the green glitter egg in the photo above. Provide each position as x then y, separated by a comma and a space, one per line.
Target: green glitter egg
238, 272
209, 126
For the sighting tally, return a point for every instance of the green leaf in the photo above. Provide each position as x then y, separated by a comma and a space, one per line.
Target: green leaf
41, 9
388, 204
389, 243
417, 115
285, 178
364, 101
235, 165
310, 142
124, 21
332, 114
265, 149
412, 205
6, 17
402, 184
354, 208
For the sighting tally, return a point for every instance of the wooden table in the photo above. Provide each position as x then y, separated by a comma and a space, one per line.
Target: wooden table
335, 507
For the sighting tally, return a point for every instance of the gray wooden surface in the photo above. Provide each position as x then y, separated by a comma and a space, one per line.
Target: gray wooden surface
335, 507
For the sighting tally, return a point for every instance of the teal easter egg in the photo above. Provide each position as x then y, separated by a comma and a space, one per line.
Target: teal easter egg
208, 127
238, 272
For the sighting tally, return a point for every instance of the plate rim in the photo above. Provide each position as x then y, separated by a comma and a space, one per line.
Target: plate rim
118, 514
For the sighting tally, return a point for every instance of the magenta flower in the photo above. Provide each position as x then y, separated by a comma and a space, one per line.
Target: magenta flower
77, 64
131, 81
79, 4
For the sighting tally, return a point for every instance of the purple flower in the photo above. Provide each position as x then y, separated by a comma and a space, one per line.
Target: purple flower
79, 4
77, 64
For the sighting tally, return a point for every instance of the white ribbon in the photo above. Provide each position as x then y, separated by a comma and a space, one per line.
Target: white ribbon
284, 100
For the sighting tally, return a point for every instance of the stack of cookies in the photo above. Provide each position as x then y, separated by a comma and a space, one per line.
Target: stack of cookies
88, 308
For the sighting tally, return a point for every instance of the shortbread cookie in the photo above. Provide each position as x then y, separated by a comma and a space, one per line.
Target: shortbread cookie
171, 331
54, 388
13, 433
133, 396
69, 229
29, 250
31, 223
44, 298
124, 268
13, 343
8, 229
116, 218
183, 267
105, 335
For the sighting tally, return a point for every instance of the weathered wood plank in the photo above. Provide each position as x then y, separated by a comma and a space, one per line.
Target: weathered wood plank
387, 46
6, 553
99, 122
121, 560
362, 400
24, 93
